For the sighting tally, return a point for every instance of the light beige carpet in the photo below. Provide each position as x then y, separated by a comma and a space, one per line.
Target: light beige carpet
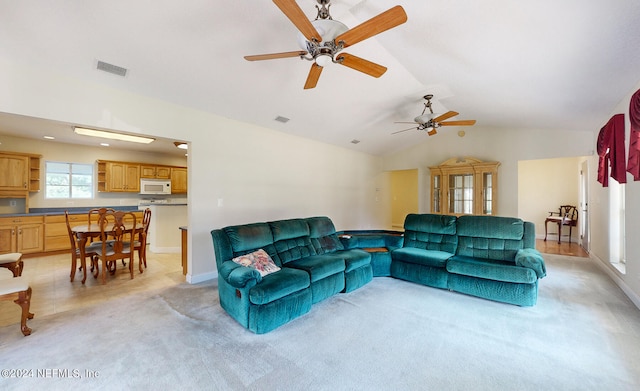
584, 334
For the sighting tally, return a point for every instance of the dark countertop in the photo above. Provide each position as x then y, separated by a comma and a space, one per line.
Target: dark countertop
59, 211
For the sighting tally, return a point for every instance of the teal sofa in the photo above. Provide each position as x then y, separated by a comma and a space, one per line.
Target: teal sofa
314, 266
484, 256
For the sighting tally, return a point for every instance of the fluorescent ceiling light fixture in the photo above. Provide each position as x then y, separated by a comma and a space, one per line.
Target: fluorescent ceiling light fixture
113, 136
181, 145
49, 137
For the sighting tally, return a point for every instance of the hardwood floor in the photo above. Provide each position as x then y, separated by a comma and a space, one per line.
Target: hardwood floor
563, 248
53, 292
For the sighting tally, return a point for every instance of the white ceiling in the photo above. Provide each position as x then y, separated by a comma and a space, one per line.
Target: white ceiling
544, 64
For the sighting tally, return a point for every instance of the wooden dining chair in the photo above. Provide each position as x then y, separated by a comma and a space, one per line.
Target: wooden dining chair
141, 244
89, 250
95, 215
18, 290
121, 237
566, 216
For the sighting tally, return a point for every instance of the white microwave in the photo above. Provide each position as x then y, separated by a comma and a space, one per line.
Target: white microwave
155, 186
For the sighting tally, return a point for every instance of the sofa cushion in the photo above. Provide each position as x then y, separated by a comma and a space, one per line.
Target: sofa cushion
531, 258
289, 229
494, 227
431, 232
292, 240
319, 266
353, 259
420, 256
258, 260
279, 284
249, 237
323, 235
491, 270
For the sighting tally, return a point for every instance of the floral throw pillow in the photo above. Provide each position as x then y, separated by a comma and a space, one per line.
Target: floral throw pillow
259, 260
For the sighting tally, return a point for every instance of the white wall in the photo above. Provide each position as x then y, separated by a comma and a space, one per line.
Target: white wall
259, 174
599, 201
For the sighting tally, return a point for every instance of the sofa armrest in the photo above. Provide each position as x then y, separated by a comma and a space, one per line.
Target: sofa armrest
349, 241
393, 242
532, 259
237, 275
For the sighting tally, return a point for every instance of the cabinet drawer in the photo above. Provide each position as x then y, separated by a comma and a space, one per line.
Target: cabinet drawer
19, 220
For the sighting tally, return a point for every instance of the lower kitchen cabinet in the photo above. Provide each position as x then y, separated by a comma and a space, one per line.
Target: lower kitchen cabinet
23, 234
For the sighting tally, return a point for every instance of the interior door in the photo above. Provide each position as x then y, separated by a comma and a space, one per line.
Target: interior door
583, 218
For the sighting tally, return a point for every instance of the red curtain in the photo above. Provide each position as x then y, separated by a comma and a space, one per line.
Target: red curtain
611, 151
633, 165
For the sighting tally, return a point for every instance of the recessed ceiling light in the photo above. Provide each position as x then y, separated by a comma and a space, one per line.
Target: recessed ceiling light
181, 145
113, 136
104, 144
49, 137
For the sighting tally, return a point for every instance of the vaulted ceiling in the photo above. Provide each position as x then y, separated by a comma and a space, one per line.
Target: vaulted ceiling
505, 63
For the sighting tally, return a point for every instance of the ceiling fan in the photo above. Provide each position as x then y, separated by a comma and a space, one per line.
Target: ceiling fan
324, 38
427, 121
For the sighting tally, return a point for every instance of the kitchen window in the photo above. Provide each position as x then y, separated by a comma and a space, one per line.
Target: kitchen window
68, 180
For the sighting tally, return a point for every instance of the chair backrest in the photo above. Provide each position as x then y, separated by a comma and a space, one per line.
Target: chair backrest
569, 213
72, 236
96, 214
117, 235
146, 221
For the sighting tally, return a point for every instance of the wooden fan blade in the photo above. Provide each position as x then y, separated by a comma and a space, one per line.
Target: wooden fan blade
291, 9
446, 115
360, 64
314, 75
432, 132
404, 130
389, 19
464, 122
272, 56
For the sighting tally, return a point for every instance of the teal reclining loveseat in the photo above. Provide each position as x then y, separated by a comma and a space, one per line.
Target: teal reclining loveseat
486, 256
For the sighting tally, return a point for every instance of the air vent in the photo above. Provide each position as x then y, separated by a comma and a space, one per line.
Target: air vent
282, 119
110, 68
354, 141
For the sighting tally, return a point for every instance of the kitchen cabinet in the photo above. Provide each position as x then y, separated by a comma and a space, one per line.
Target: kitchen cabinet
118, 176
22, 234
56, 237
178, 180
462, 186
155, 172
125, 176
19, 175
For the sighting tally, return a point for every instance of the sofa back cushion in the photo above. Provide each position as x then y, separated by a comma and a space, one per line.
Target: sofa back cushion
431, 232
247, 238
291, 240
490, 237
323, 235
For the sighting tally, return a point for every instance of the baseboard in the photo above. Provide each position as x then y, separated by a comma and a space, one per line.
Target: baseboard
198, 278
614, 274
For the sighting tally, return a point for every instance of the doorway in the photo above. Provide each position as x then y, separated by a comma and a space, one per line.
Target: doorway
585, 239
404, 196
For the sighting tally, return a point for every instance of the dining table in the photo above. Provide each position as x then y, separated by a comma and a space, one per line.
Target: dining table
84, 232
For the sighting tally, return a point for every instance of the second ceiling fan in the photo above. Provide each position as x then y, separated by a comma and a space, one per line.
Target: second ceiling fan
429, 122
324, 38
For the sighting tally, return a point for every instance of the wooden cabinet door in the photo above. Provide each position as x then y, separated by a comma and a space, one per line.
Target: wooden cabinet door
123, 177
178, 180
30, 238
14, 172
147, 171
132, 179
7, 239
163, 172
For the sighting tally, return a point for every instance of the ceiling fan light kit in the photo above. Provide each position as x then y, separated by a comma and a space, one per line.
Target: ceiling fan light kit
323, 39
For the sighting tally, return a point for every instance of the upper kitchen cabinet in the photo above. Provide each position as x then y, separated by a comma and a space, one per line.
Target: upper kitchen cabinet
155, 172
118, 176
19, 172
178, 180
